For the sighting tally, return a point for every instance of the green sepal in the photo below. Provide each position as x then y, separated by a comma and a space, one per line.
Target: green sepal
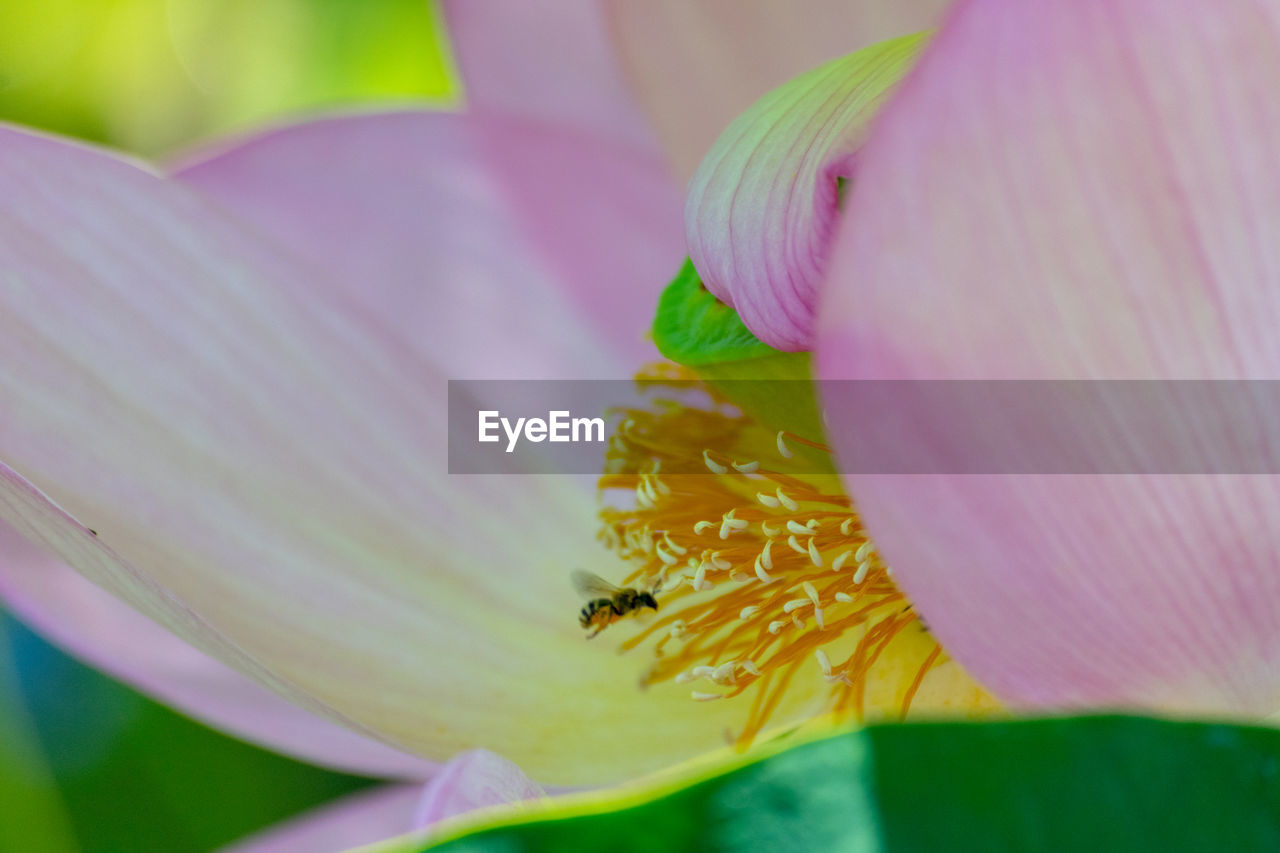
694, 328
1106, 783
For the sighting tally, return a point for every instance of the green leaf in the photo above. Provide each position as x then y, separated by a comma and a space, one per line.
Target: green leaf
1089, 783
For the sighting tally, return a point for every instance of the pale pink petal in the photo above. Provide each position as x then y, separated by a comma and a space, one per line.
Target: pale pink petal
697, 64
501, 212
353, 821
111, 636
546, 59
1078, 190
266, 467
763, 206
473, 780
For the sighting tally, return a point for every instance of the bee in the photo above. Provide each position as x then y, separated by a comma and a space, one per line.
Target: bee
607, 603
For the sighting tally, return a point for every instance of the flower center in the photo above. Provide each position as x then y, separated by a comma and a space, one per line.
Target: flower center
764, 566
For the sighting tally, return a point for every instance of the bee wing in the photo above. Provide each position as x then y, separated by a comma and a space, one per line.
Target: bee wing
591, 586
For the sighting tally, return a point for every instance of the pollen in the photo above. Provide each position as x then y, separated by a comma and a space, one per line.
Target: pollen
767, 590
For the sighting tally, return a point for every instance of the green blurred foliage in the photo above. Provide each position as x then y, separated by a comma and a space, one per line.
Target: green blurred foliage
149, 76
89, 765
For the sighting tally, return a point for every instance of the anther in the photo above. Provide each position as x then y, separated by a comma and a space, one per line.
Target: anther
703, 671
747, 467
844, 597
684, 677
782, 446
669, 559
814, 556
716, 467
723, 674
769, 531
747, 612
811, 591
768, 500
838, 563
863, 550
703, 526
797, 621
761, 573
861, 574
823, 661
796, 546
647, 483
739, 577
846, 526
706, 697
795, 604
798, 528
666, 537
729, 524
817, 617
750, 666
718, 562
777, 625
766, 558
700, 578
785, 500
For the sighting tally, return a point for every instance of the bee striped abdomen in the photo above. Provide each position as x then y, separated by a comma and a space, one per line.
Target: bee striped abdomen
600, 611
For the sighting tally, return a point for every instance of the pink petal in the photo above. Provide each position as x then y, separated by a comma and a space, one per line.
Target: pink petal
473, 780
764, 204
697, 65
265, 466
111, 636
353, 821
505, 210
546, 59
1078, 190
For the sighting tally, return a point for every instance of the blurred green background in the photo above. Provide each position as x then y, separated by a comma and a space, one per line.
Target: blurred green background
86, 764
153, 75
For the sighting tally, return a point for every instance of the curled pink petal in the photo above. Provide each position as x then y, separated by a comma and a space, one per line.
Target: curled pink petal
353, 821
763, 206
1081, 190
474, 779
696, 64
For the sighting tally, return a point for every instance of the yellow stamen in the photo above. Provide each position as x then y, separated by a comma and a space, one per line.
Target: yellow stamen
743, 603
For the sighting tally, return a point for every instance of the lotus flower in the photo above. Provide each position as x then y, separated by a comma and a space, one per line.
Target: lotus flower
225, 408
227, 405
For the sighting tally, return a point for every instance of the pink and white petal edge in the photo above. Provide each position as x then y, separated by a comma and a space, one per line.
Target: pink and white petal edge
101, 630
